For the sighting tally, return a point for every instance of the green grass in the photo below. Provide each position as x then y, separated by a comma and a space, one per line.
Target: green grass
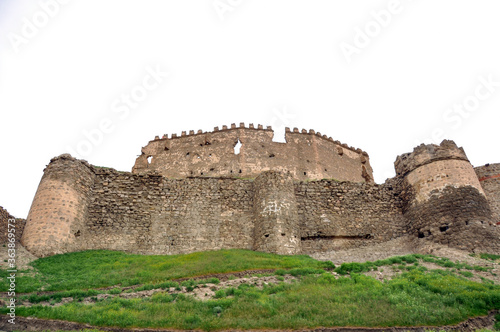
417, 296
490, 257
413, 298
103, 268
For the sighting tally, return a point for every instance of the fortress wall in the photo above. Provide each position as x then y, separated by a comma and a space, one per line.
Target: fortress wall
306, 155
59, 209
489, 177
120, 211
340, 215
149, 214
204, 214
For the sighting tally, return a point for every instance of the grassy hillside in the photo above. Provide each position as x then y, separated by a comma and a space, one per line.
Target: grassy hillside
301, 292
102, 268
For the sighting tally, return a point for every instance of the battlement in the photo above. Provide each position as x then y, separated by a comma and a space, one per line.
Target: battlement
288, 131
307, 154
427, 153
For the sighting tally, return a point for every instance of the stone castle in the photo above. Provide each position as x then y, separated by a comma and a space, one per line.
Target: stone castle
195, 192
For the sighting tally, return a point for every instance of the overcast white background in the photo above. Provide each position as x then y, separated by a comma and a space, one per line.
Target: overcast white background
273, 62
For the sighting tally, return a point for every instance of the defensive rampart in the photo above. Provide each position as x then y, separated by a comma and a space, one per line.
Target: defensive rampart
436, 195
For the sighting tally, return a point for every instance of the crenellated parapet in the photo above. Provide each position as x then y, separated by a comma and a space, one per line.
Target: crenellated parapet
259, 127
307, 154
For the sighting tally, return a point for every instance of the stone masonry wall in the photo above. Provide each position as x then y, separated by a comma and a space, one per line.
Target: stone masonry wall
150, 214
489, 177
306, 155
4, 222
338, 215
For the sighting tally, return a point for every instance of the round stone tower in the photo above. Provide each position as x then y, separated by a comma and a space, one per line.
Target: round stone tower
276, 216
443, 199
57, 215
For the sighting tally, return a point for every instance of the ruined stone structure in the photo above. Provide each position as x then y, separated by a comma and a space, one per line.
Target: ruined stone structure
310, 194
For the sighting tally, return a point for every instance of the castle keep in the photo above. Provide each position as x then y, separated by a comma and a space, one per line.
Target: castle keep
194, 192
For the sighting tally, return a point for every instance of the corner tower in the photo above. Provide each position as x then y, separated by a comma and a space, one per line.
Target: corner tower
443, 199
57, 215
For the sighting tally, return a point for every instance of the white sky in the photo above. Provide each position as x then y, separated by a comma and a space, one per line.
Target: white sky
273, 62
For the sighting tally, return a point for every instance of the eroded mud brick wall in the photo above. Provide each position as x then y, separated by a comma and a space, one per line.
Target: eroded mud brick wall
339, 215
306, 155
489, 177
276, 217
59, 209
443, 199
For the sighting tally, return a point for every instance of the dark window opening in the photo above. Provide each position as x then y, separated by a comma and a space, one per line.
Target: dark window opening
271, 155
201, 173
187, 154
212, 169
267, 235
421, 235
305, 173
166, 149
239, 171
283, 234
444, 228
